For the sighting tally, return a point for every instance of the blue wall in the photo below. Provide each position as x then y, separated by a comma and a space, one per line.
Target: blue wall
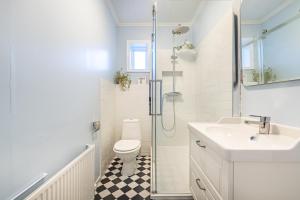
53, 54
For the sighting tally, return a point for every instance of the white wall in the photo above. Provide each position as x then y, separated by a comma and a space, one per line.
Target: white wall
107, 119
214, 62
133, 103
185, 105
50, 84
209, 14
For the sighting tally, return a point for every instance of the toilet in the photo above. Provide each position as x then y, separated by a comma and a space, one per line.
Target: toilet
129, 146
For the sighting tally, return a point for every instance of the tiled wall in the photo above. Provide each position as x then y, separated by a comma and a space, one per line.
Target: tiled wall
214, 71
185, 105
107, 117
133, 103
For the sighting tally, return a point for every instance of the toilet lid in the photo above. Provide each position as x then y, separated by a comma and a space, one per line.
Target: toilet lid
127, 145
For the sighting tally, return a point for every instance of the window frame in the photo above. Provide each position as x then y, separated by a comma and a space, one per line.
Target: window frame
148, 56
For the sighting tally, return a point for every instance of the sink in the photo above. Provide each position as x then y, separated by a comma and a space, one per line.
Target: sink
238, 141
244, 137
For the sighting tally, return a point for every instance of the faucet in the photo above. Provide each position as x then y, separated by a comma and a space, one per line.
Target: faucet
264, 123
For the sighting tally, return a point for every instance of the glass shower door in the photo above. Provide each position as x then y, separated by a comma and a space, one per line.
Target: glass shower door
170, 159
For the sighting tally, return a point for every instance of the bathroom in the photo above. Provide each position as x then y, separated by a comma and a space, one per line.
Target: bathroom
149, 99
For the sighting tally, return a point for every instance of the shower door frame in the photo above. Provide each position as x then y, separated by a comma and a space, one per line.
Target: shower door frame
152, 105
155, 110
152, 102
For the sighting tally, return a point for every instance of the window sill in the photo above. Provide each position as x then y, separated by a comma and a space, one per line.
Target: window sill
138, 71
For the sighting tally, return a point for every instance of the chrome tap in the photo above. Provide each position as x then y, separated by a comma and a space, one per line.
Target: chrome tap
264, 123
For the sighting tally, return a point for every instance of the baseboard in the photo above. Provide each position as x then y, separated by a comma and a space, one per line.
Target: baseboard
172, 196
97, 180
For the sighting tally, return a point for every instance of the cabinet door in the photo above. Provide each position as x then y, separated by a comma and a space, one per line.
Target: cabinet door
207, 160
209, 195
197, 188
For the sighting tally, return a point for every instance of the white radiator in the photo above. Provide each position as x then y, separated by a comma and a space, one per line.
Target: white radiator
74, 182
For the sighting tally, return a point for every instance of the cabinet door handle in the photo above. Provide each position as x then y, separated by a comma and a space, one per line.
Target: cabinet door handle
199, 186
198, 142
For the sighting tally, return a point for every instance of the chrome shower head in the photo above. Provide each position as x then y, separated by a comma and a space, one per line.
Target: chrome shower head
180, 30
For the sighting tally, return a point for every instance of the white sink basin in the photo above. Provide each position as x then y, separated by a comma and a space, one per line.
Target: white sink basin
238, 141
245, 137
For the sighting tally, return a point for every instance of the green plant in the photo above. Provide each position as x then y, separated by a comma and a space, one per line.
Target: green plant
255, 75
123, 79
269, 75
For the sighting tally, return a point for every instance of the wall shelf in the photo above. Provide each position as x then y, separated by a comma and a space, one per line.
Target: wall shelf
170, 73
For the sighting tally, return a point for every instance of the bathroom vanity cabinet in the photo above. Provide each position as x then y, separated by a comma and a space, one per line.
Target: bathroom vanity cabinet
211, 177
228, 172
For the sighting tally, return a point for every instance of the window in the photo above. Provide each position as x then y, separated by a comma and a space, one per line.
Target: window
138, 55
248, 53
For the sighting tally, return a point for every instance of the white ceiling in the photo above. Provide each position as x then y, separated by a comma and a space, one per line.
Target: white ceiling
170, 12
258, 11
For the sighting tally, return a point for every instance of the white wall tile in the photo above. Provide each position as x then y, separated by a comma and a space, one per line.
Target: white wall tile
214, 71
185, 105
107, 119
133, 103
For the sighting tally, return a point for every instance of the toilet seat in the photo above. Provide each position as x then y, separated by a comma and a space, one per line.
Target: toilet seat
127, 145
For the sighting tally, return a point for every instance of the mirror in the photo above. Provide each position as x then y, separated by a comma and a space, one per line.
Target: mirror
270, 41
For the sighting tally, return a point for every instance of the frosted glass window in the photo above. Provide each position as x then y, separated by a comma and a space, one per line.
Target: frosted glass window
138, 56
248, 60
139, 61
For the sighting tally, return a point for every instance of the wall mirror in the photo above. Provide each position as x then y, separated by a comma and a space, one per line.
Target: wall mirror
270, 41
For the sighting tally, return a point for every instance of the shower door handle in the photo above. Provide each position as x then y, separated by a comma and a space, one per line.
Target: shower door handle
152, 97
160, 97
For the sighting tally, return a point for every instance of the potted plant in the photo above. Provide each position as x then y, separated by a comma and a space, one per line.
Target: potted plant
123, 80
269, 75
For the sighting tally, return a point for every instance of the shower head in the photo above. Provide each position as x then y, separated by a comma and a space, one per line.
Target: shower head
178, 30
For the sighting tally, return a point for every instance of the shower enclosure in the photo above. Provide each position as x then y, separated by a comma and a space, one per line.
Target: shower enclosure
171, 107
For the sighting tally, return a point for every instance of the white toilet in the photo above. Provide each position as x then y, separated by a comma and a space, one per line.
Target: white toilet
129, 146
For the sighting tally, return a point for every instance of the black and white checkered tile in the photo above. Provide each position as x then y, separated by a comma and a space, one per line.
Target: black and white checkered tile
115, 186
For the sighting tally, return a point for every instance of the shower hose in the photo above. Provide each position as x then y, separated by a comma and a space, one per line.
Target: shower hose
162, 115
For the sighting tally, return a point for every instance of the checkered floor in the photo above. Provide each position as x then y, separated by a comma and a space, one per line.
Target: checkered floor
115, 186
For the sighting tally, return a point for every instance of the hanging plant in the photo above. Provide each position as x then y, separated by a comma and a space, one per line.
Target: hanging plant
123, 80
